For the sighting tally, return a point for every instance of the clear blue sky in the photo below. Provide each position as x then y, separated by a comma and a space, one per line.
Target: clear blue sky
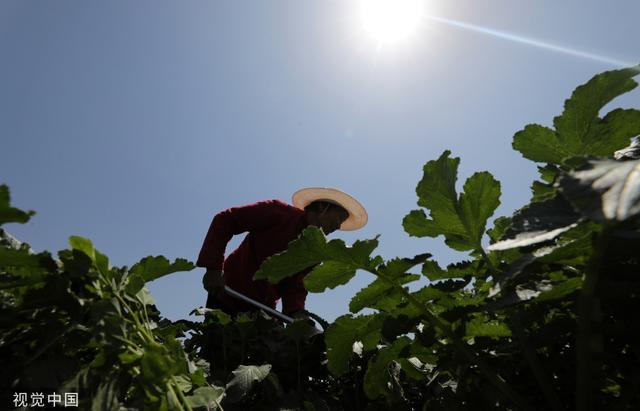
133, 123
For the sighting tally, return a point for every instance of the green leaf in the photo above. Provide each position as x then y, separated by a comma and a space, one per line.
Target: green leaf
329, 274
135, 283
245, 378
581, 110
500, 226
305, 251
102, 262
414, 368
376, 377
612, 133
300, 330
144, 296
10, 214
379, 289
75, 262
607, 190
216, 315
398, 267
542, 191
343, 333
462, 220
198, 377
151, 268
579, 131
10, 257
339, 261
481, 326
205, 397
84, 245
157, 365
479, 200
548, 173
572, 248
183, 382
560, 290
377, 294
128, 356
541, 144
106, 396
431, 269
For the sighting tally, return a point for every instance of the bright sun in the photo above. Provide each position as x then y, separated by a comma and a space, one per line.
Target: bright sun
391, 21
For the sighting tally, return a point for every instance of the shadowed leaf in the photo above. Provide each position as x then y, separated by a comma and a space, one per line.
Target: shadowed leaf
607, 190
151, 268
343, 333
10, 214
245, 377
538, 222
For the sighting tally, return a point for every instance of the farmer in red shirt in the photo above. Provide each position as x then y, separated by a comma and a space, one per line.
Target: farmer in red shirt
271, 225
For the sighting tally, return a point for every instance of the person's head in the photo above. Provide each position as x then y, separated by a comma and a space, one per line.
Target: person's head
325, 215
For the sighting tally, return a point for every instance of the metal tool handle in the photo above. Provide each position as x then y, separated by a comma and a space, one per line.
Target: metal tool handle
246, 299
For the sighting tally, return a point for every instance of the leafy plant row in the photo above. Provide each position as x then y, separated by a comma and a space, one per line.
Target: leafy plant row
542, 318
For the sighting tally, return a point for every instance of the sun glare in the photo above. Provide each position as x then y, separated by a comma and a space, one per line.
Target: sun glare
391, 21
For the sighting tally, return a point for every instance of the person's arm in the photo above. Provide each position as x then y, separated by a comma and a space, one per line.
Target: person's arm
232, 221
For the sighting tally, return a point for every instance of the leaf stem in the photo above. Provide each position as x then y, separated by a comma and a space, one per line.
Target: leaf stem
586, 308
172, 391
181, 396
529, 352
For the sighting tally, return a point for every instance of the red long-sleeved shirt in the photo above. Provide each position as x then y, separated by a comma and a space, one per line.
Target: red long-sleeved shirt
271, 225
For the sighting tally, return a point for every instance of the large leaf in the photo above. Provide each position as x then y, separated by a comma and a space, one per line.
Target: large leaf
607, 190
481, 326
245, 377
384, 289
462, 220
376, 379
21, 258
579, 131
539, 143
538, 222
205, 397
378, 290
339, 262
305, 251
10, 214
576, 124
432, 270
573, 248
151, 268
106, 396
329, 274
343, 333
100, 261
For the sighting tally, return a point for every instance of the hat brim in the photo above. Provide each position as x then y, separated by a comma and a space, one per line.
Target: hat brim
357, 214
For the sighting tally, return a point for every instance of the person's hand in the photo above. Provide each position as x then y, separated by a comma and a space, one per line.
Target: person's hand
213, 282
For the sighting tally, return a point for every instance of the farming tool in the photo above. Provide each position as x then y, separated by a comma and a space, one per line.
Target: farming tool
255, 303
230, 291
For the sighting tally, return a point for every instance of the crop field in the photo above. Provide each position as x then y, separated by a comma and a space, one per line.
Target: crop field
539, 316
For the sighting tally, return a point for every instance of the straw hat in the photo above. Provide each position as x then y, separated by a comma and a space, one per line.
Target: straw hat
357, 214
